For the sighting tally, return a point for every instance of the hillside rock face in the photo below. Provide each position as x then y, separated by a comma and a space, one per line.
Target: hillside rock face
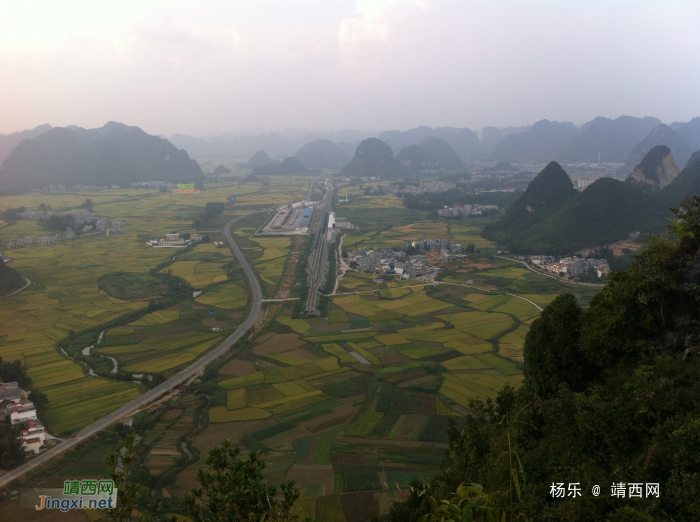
439, 149
115, 154
322, 154
657, 168
289, 166
416, 159
540, 143
373, 158
259, 159
8, 142
659, 135
611, 140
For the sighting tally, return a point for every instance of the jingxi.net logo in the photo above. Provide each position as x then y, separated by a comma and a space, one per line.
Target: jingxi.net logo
76, 494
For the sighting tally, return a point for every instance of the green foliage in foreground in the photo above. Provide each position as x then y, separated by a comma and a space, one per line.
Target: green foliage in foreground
234, 489
611, 395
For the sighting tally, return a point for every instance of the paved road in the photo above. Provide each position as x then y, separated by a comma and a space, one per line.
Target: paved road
17, 291
550, 275
163, 388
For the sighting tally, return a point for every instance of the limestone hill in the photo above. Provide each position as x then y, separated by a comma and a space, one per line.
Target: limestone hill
115, 154
373, 158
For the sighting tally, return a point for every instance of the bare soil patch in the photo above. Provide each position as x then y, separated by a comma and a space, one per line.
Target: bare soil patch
237, 368
215, 433
311, 474
330, 420
279, 343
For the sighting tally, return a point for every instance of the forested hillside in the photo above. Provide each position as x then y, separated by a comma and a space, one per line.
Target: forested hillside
611, 398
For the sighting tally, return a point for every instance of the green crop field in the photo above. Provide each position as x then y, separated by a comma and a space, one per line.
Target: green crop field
298, 325
334, 424
229, 296
364, 425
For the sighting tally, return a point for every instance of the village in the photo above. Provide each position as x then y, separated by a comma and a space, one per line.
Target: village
174, 240
16, 408
400, 263
84, 222
571, 266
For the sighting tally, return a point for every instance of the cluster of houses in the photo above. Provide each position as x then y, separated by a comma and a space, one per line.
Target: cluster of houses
571, 266
465, 210
433, 245
101, 227
432, 187
390, 262
16, 409
173, 239
27, 241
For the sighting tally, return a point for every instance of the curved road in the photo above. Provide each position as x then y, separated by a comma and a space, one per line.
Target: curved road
163, 388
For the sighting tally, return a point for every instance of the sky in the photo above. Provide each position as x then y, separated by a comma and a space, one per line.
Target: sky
207, 67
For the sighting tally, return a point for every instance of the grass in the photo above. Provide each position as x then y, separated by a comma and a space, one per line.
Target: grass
502, 365
365, 423
298, 325
229, 296
325, 441
364, 353
83, 401
419, 352
241, 382
336, 350
235, 399
337, 316
119, 331
465, 362
340, 336
160, 317
221, 414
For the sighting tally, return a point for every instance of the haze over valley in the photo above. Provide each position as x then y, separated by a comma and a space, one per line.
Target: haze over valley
356, 261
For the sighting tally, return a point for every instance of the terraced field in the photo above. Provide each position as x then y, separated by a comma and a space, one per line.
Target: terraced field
65, 297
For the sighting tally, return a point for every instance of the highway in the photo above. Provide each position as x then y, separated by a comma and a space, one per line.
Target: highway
163, 388
318, 259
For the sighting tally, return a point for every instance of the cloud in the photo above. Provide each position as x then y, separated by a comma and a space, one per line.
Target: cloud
363, 37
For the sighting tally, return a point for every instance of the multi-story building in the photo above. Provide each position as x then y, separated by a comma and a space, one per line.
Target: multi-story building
44, 240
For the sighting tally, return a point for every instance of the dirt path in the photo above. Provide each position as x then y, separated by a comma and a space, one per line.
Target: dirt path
18, 291
344, 267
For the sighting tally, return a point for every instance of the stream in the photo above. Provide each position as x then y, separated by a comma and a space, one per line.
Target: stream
86, 351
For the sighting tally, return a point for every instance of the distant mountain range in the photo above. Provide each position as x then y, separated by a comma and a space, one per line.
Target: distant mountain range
550, 217
373, 158
322, 154
114, 154
8, 142
289, 166
624, 140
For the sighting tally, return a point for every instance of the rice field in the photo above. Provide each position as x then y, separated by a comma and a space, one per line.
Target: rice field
298, 325
229, 296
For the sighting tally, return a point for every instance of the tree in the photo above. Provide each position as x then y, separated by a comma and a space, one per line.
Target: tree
129, 493
39, 399
87, 204
11, 452
552, 352
15, 371
233, 489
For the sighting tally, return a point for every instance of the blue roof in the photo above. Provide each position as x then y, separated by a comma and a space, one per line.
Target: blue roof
307, 212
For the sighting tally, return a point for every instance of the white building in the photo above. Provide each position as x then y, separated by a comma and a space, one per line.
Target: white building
175, 236
45, 240
19, 412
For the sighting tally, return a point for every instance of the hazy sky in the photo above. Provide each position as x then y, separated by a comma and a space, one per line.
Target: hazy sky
204, 67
